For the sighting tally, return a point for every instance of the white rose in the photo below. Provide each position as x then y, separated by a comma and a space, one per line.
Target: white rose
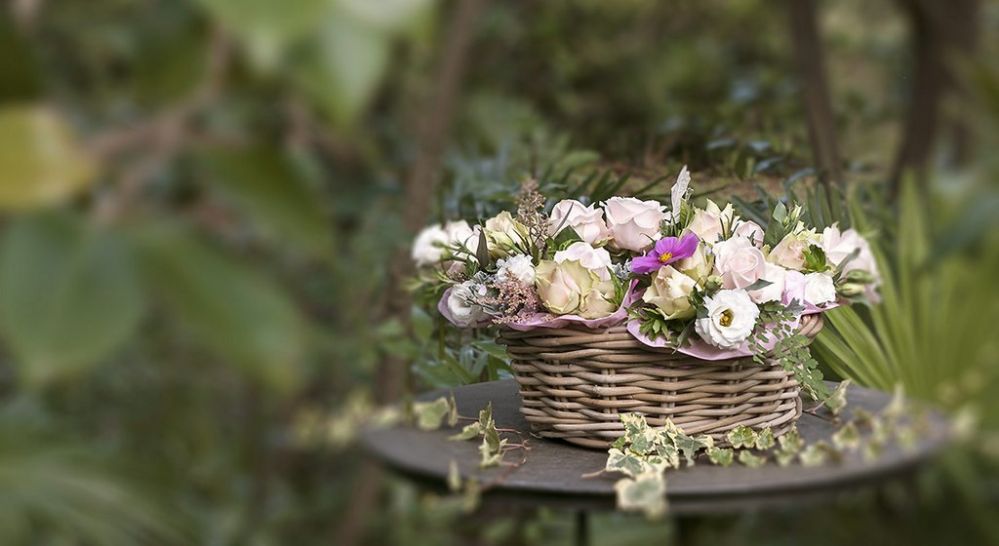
790, 251
669, 292
461, 304
819, 289
597, 260
503, 233
517, 268
707, 222
838, 245
428, 247
570, 288
588, 222
461, 234
775, 275
749, 230
634, 223
739, 263
731, 317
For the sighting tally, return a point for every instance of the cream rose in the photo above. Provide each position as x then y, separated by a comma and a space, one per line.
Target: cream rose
698, 266
739, 263
586, 221
752, 231
707, 222
634, 224
503, 233
669, 292
570, 288
731, 317
790, 251
428, 247
597, 260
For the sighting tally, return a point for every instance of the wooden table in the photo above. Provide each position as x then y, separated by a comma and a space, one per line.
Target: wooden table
552, 474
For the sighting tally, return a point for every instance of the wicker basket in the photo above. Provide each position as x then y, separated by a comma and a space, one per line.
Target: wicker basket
574, 382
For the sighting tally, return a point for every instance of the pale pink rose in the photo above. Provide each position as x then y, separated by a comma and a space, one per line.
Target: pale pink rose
790, 251
597, 260
588, 222
774, 274
708, 222
634, 223
739, 263
749, 230
838, 245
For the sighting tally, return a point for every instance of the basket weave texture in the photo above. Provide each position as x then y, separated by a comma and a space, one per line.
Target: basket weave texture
574, 383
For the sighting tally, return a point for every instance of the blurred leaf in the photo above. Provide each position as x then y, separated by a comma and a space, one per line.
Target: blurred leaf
385, 14
68, 294
41, 161
266, 185
232, 308
20, 78
430, 415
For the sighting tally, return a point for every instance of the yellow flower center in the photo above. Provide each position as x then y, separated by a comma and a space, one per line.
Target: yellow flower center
726, 318
665, 257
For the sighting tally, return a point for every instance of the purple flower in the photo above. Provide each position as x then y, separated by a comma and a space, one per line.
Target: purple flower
666, 251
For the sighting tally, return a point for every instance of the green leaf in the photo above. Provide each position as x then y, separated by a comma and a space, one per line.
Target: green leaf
748, 458
741, 437
626, 463
837, 400
790, 445
230, 307
267, 186
645, 493
816, 454
765, 439
453, 477
69, 295
430, 415
469, 431
41, 160
721, 456
847, 437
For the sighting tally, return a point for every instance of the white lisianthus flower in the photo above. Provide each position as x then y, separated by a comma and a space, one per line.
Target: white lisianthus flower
819, 289
634, 223
519, 268
669, 292
461, 304
587, 222
707, 222
428, 247
739, 263
597, 260
731, 317
790, 251
775, 275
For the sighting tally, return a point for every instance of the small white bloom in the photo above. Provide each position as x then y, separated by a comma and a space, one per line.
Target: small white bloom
731, 317
517, 267
597, 260
819, 289
587, 222
635, 224
463, 235
679, 190
461, 303
428, 247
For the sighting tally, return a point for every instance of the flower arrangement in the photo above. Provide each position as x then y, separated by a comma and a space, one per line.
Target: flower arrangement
702, 281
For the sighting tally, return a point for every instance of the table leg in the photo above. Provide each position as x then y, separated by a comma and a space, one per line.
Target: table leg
582, 529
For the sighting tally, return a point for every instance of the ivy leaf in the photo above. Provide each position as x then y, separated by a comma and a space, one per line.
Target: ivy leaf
634, 424
688, 447
741, 436
452, 411
492, 453
847, 437
669, 454
453, 477
486, 416
645, 493
837, 400
790, 444
721, 456
430, 415
625, 463
816, 454
765, 439
471, 430
750, 459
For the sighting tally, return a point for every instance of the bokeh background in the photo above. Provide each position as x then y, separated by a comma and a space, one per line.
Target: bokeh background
206, 207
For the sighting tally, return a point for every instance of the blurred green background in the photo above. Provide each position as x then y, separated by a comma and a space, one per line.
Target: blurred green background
206, 207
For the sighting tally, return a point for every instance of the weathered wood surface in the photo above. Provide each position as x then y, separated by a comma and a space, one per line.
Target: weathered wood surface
553, 472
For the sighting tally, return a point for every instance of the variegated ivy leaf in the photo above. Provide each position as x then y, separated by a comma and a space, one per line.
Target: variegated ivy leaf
452, 412
847, 437
645, 493
453, 476
491, 454
634, 424
765, 439
817, 454
625, 463
789, 446
430, 415
837, 400
486, 416
669, 454
471, 430
721, 456
899, 405
688, 446
750, 459
872, 450
643, 441
741, 436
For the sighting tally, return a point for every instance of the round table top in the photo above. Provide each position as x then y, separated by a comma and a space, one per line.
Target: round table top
553, 472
